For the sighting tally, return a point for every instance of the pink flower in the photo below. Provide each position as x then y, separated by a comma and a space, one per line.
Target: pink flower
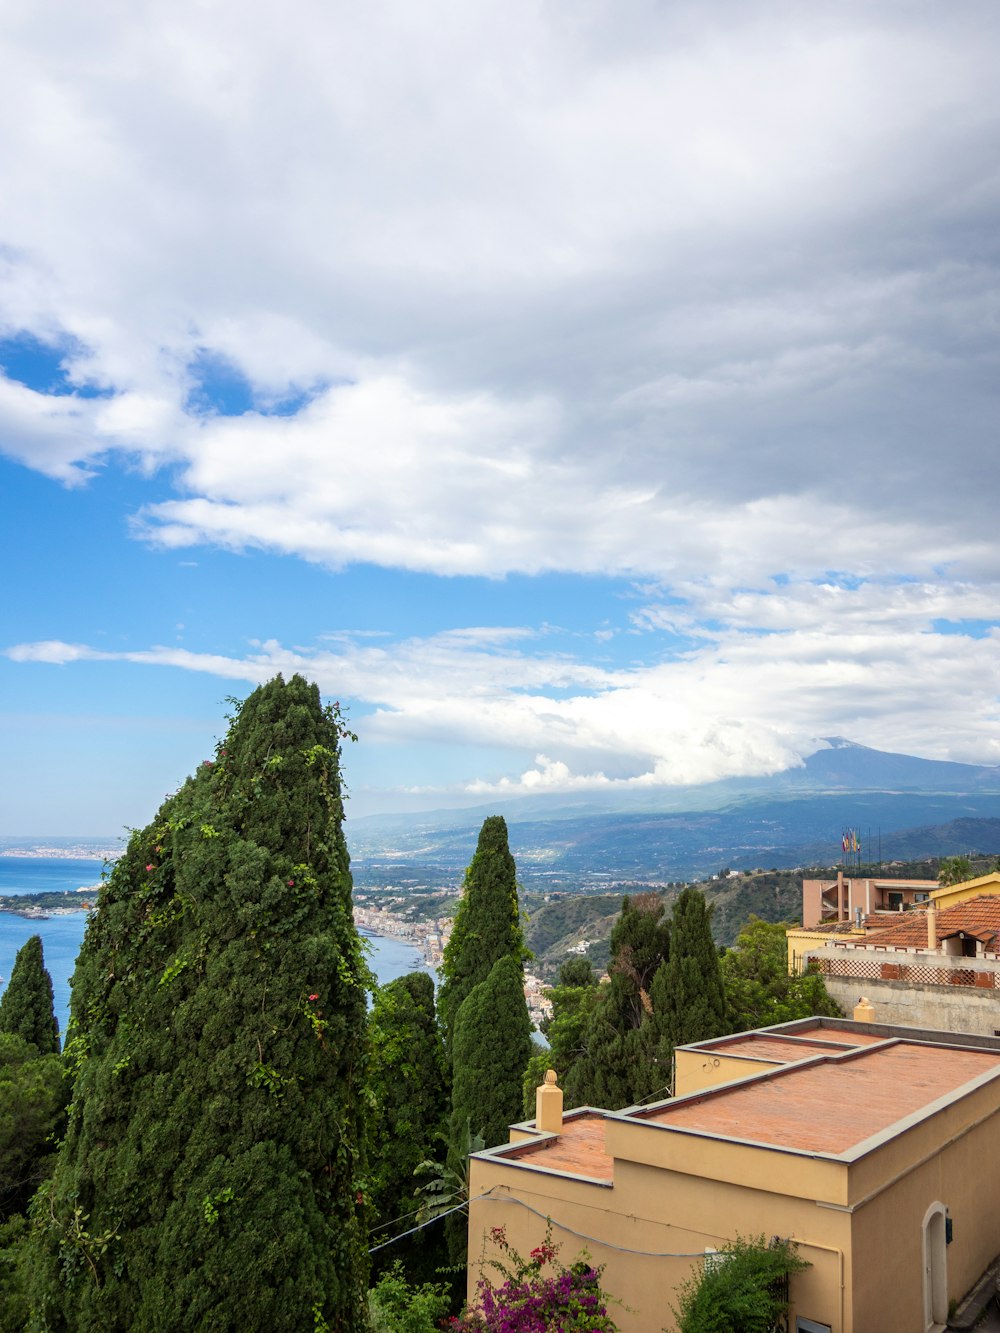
314, 997
149, 867
291, 883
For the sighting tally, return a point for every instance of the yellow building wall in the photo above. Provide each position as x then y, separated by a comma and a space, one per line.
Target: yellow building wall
694, 1070
888, 1228
972, 888
671, 1219
860, 1225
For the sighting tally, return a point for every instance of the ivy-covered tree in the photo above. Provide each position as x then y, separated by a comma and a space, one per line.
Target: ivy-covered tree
487, 925
408, 1090
759, 990
26, 1008
687, 994
618, 1065
212, 1171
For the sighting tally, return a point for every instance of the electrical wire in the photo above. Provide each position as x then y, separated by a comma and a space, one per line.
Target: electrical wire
430, 1222
596, 1240
382, 1226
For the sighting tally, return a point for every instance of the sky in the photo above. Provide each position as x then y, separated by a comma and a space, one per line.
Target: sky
589, 397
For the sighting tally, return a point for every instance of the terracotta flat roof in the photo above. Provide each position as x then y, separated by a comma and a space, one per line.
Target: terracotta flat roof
579, 1149
783, 1049
843, 1037
809, 1039
834, 1104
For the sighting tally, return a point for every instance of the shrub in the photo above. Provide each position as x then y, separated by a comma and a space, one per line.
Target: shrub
396, 1307
742, 1287
570, 1299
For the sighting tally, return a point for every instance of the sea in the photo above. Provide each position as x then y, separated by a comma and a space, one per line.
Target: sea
62, 935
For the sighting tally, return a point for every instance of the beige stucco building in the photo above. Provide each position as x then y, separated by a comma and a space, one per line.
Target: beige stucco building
871, 1147
844, 898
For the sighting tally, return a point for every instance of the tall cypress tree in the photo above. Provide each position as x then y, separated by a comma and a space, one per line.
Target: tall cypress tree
487, 925
688, 995
212, 1169
492, 1049
408, 1088
26, 1008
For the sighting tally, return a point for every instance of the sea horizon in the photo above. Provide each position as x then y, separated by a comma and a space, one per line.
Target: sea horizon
62, 933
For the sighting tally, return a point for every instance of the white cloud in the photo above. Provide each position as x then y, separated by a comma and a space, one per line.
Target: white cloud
748, 702
687, 292
701, 295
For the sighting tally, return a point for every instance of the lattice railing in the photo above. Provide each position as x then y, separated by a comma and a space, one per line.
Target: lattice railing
875, 969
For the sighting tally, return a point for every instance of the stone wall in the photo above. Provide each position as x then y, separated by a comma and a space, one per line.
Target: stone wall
951, 1008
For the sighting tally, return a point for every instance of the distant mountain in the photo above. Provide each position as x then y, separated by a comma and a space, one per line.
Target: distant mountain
903, 806
839, 765
858, 768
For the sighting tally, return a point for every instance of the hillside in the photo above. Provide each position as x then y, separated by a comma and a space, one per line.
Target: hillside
557, 926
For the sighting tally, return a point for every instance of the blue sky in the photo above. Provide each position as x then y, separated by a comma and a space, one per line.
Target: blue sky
592, 401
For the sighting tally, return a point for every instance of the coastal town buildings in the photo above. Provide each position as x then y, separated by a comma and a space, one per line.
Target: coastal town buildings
866, 1144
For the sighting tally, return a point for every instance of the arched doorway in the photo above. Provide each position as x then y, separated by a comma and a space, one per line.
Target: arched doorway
935, 1268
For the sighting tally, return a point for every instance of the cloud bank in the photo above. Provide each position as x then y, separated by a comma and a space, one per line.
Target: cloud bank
700, 296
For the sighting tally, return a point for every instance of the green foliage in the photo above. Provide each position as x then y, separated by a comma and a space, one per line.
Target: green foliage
14, 1308
446, 1184
759, 990
487, 925
212, 1171
618, 1064
577, 972
26, 1005
33, 1096
394, 1306
492, 1048
408, 1091
738, 1287
954, 870
688, 997
572, 1007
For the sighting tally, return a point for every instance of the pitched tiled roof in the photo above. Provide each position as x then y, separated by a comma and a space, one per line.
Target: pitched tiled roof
976, 916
